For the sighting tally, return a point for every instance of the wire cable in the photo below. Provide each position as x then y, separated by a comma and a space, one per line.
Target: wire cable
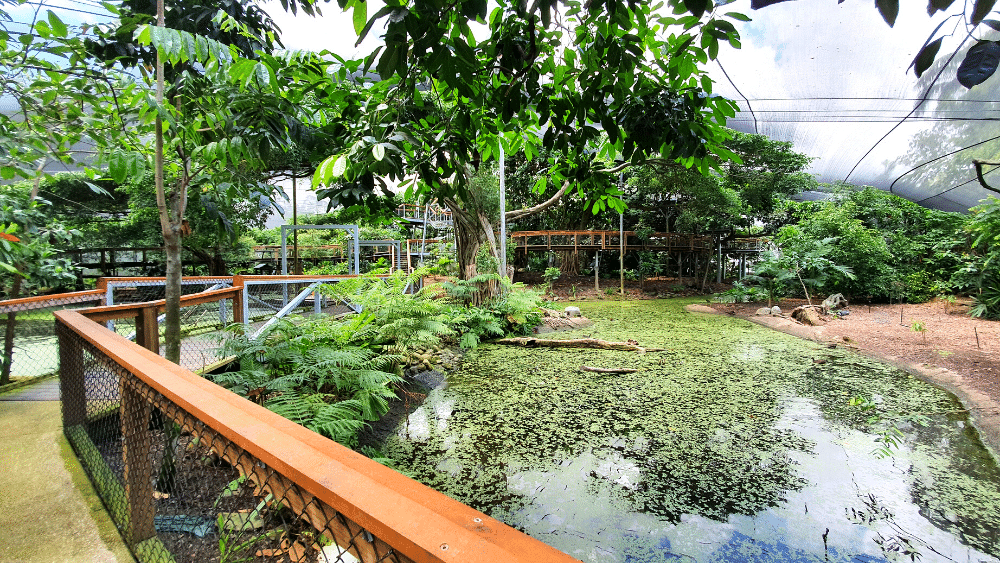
756, 129
915, 168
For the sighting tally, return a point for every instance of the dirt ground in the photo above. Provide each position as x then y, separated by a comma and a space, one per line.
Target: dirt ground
955, 351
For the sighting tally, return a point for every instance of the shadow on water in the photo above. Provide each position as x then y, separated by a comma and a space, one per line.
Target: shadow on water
735, 444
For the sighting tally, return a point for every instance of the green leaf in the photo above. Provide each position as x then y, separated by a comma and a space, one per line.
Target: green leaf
360, 16
925, 58
143, 35
339, 166
385, 11
42, 29
378, 151
697, 7
981, 10
979, 63
889, 10
57, 25
118, 167
935, 5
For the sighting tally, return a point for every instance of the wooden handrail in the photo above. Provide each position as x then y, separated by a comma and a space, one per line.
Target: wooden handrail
131, 310
414, 519
45, 301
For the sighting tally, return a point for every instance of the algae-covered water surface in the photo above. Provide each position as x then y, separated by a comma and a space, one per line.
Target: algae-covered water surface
736, 443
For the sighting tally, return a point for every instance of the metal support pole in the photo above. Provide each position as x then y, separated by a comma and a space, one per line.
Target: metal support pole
621, 252
718, 271
503, 214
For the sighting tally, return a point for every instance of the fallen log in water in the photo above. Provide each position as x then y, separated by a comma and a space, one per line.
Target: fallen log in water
608, 370
530, 342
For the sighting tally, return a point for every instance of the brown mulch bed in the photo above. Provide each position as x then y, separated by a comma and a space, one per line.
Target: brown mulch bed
950, 340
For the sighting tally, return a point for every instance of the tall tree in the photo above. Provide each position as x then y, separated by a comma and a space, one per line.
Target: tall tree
211, 137
588, 81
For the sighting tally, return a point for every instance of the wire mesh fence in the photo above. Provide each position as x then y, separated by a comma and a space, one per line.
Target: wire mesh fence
267, 297
180, 490
29, 338
200, 323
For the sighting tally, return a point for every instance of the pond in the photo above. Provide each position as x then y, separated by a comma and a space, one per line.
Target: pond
736, 443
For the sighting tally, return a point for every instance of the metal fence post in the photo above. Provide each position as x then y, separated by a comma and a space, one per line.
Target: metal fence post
239, 301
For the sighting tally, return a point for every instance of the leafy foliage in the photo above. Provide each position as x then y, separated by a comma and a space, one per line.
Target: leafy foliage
986, 303
741, 293
805, 260
887, 242
29, 242
401, 321
324, 375
512, 310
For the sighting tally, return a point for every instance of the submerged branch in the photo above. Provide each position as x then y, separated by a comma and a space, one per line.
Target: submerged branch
608, 370
530, 342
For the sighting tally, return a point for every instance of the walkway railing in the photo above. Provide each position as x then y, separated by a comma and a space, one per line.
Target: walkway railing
28, 331
192, 472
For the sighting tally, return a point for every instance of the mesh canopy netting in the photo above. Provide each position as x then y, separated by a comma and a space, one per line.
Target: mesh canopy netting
832, 79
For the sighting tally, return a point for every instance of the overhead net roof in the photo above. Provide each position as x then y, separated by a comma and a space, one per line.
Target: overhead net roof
832, 79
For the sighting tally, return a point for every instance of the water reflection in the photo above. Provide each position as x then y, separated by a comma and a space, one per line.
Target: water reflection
731, 446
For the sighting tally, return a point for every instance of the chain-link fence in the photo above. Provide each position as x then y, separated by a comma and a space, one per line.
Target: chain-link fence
29, 339
201, 323
180, 490
193, 473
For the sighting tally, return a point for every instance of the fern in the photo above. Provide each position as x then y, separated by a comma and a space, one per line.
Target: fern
400, 320
319, 373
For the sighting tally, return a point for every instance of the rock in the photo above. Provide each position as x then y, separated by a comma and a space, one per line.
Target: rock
807, 315
763, 312
835, 301
572, 311
775, 310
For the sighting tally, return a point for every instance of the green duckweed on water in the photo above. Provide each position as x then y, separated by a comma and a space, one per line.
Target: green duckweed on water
736, 443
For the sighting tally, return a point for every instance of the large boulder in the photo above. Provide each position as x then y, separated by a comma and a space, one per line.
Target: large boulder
807, 315
835, 301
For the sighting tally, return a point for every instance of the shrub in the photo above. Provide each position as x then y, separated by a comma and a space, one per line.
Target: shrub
986, 304
741, 294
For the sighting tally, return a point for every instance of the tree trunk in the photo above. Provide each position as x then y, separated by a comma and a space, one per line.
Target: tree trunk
172, 320
569, 262
8, 337
469, 236
216, 263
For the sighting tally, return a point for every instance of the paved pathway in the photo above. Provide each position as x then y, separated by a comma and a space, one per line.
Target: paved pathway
47, 390
49, 513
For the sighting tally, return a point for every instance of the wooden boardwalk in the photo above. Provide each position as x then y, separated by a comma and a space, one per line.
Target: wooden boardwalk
589, 241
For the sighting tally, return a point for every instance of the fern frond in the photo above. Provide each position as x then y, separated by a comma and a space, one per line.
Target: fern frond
292, 406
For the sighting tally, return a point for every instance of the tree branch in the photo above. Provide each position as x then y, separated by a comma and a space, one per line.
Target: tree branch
520, 213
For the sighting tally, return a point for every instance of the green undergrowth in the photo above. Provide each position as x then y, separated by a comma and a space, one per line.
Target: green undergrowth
697, 430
